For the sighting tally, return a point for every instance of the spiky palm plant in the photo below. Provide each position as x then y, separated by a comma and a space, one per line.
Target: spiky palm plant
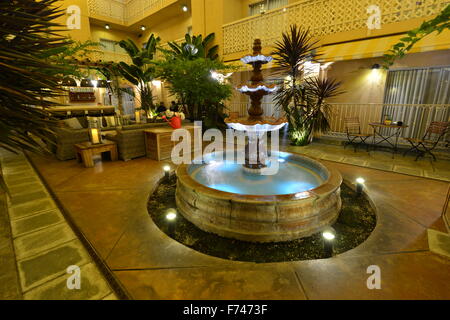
195, 47
142, 71
303, 99
27, 79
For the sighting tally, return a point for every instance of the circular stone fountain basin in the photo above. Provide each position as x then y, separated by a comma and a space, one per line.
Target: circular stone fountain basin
220, 197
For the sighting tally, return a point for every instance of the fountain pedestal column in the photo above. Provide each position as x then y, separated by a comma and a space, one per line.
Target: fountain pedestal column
256, 152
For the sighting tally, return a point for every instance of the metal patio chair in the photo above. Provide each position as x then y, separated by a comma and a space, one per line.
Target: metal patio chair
354, 134
435, 132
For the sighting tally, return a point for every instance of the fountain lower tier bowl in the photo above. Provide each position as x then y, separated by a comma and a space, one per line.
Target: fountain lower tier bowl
301, 199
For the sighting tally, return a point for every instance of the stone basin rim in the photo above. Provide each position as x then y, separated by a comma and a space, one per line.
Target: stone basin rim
330, 185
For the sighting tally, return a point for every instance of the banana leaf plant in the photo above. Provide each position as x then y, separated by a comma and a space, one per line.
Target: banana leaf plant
302, 98
142, 70
110, 71
195, 47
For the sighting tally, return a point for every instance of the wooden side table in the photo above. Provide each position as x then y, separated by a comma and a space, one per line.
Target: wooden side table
86, 150
158, 142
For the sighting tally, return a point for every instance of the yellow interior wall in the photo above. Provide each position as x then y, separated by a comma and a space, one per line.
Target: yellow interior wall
170, 30
361, 86
82, 34
99, 32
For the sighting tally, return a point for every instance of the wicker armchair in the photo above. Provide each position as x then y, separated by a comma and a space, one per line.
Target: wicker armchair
131, 140
66, 139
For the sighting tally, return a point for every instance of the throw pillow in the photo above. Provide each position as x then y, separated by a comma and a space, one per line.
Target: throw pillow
95, 122
110, 121
73, 123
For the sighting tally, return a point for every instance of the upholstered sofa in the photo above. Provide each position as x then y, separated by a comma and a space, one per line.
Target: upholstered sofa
130, 140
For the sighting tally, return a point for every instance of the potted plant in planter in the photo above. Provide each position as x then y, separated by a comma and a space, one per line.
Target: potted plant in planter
174, 118
303, 99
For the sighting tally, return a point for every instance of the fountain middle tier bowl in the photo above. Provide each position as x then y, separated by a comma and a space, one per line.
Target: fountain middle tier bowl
301, 199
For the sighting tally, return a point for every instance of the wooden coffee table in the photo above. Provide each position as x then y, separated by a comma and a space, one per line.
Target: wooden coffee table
86, 150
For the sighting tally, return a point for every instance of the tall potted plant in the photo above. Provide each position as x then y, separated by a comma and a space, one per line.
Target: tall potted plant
189, 68
192, 83
302, 98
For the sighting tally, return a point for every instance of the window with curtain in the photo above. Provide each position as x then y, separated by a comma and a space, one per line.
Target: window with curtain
258, 7
111, 46
418, 86
417, 96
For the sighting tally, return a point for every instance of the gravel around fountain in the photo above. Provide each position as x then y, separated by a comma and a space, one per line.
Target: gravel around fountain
356, 222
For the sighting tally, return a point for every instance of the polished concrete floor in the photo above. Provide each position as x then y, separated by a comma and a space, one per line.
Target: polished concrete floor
108, 203
381, 159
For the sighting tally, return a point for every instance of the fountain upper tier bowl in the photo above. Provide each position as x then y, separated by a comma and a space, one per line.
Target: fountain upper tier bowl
301, 199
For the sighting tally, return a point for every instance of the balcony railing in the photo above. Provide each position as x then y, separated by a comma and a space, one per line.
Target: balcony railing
126, 12
107, 56
112, 9
322, 17
136, 9
416, 116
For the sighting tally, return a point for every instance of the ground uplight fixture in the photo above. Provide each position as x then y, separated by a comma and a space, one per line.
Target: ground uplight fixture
360, 185
171, 216
329, 236
166, 171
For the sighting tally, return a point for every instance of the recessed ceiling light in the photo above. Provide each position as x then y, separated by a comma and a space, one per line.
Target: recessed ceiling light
107, 27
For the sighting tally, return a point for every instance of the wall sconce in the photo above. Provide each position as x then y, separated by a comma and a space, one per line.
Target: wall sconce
102, 84
375, 75
86, 83
69, 82
107, 26
185, 8
143, 28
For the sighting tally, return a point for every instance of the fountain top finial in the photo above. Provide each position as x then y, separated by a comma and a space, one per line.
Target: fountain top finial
257, 47
256, 88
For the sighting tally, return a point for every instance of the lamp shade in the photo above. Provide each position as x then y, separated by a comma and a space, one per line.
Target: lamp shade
102, 84
95, 135
69, 82
86, 83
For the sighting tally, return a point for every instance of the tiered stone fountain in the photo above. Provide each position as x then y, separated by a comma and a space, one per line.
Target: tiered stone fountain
238, 201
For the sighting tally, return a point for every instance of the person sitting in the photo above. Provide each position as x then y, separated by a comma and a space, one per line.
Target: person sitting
174, 106
161, 108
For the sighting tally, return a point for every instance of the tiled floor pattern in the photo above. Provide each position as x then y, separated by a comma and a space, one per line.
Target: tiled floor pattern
109, 204
43, 244
379, 159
